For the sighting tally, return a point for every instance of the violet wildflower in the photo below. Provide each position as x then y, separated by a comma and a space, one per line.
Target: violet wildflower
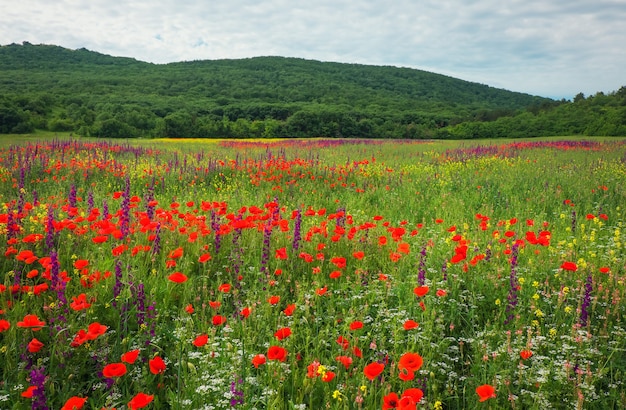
125, 210
90, 203
421, 275
584, 308
265, 256
58, 284
236, 395
573, 221
71, 199
117, 288
105, 210
38, 379
215, 227
296, 230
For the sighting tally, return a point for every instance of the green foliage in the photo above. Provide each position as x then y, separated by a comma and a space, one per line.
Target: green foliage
269, 97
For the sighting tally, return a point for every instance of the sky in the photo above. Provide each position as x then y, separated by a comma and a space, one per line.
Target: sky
550, 48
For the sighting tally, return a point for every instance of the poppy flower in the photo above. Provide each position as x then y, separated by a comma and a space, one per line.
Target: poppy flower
406, 374
218, 320
373, 370
321, 291
28, 393
4, 325
201, 340
81, 263
282, 333
177, 277
356, 325
346, 361
114, 370
80, 302
139, 401
390, 401
74, 403
288, 311
34, 345
410, 361
605, 269
157, 365
421, 291
410, 324
570, 266
281, 253
273, 300
189, 308
31, 321
526, 354
130, 357
485, 392
176, 253
204, 258
224, 288
245, 312
258, 360
328, 376
415, 393
277, 353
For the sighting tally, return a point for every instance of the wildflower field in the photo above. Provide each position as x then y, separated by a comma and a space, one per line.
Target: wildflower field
312, 274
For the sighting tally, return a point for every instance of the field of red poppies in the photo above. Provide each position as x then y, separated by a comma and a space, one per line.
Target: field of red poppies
311, 274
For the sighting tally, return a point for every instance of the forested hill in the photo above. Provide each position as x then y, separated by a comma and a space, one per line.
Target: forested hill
54, 88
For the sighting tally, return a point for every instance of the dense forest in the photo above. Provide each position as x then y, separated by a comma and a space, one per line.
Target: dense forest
91, 94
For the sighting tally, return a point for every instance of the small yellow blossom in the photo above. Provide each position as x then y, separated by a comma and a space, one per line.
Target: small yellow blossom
498, 302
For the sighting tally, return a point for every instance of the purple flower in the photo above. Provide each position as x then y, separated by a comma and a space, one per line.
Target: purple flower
584, 308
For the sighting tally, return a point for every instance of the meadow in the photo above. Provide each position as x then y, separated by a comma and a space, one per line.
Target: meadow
312, 274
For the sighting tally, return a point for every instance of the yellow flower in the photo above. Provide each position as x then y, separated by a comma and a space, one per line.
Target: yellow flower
438, 405
337, 395
498, 302
568, 309
552, 332
536, 296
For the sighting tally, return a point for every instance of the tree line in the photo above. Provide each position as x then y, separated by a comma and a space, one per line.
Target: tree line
92, 94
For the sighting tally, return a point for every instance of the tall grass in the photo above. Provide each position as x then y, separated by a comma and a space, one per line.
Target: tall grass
312, 274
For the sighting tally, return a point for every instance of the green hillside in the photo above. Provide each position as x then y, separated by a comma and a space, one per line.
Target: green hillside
57, 89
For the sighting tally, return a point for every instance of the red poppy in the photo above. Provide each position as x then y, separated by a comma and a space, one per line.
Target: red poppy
157, 365
218, 320
176, 253
4, 325
80, 302
441, 293
605, 269
373, 370
258, 360
34, 345
321, 291
31, 321
245, 312
204, 258
189, 308
201, 340
570, 266
140, 401
356, 325
131, 356
410, 324
28, 393
328, 376
415, 393
81, 263
346, 361
273, 300
74, 403
289, 309
177, 277
421, 291
215, 304
281, 253
390, 401
410, 361
526, 354
406, 374
358, 255
224, 288
485, 392
277, 353
114, 370
282, 333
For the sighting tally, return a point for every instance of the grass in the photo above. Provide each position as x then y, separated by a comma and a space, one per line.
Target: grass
282, 274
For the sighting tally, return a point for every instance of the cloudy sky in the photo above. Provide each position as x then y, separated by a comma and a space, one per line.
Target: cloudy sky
552, 48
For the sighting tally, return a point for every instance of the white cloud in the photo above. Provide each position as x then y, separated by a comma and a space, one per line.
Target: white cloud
555, 48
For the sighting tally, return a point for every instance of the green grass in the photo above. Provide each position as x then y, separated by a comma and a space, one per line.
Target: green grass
238, 201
